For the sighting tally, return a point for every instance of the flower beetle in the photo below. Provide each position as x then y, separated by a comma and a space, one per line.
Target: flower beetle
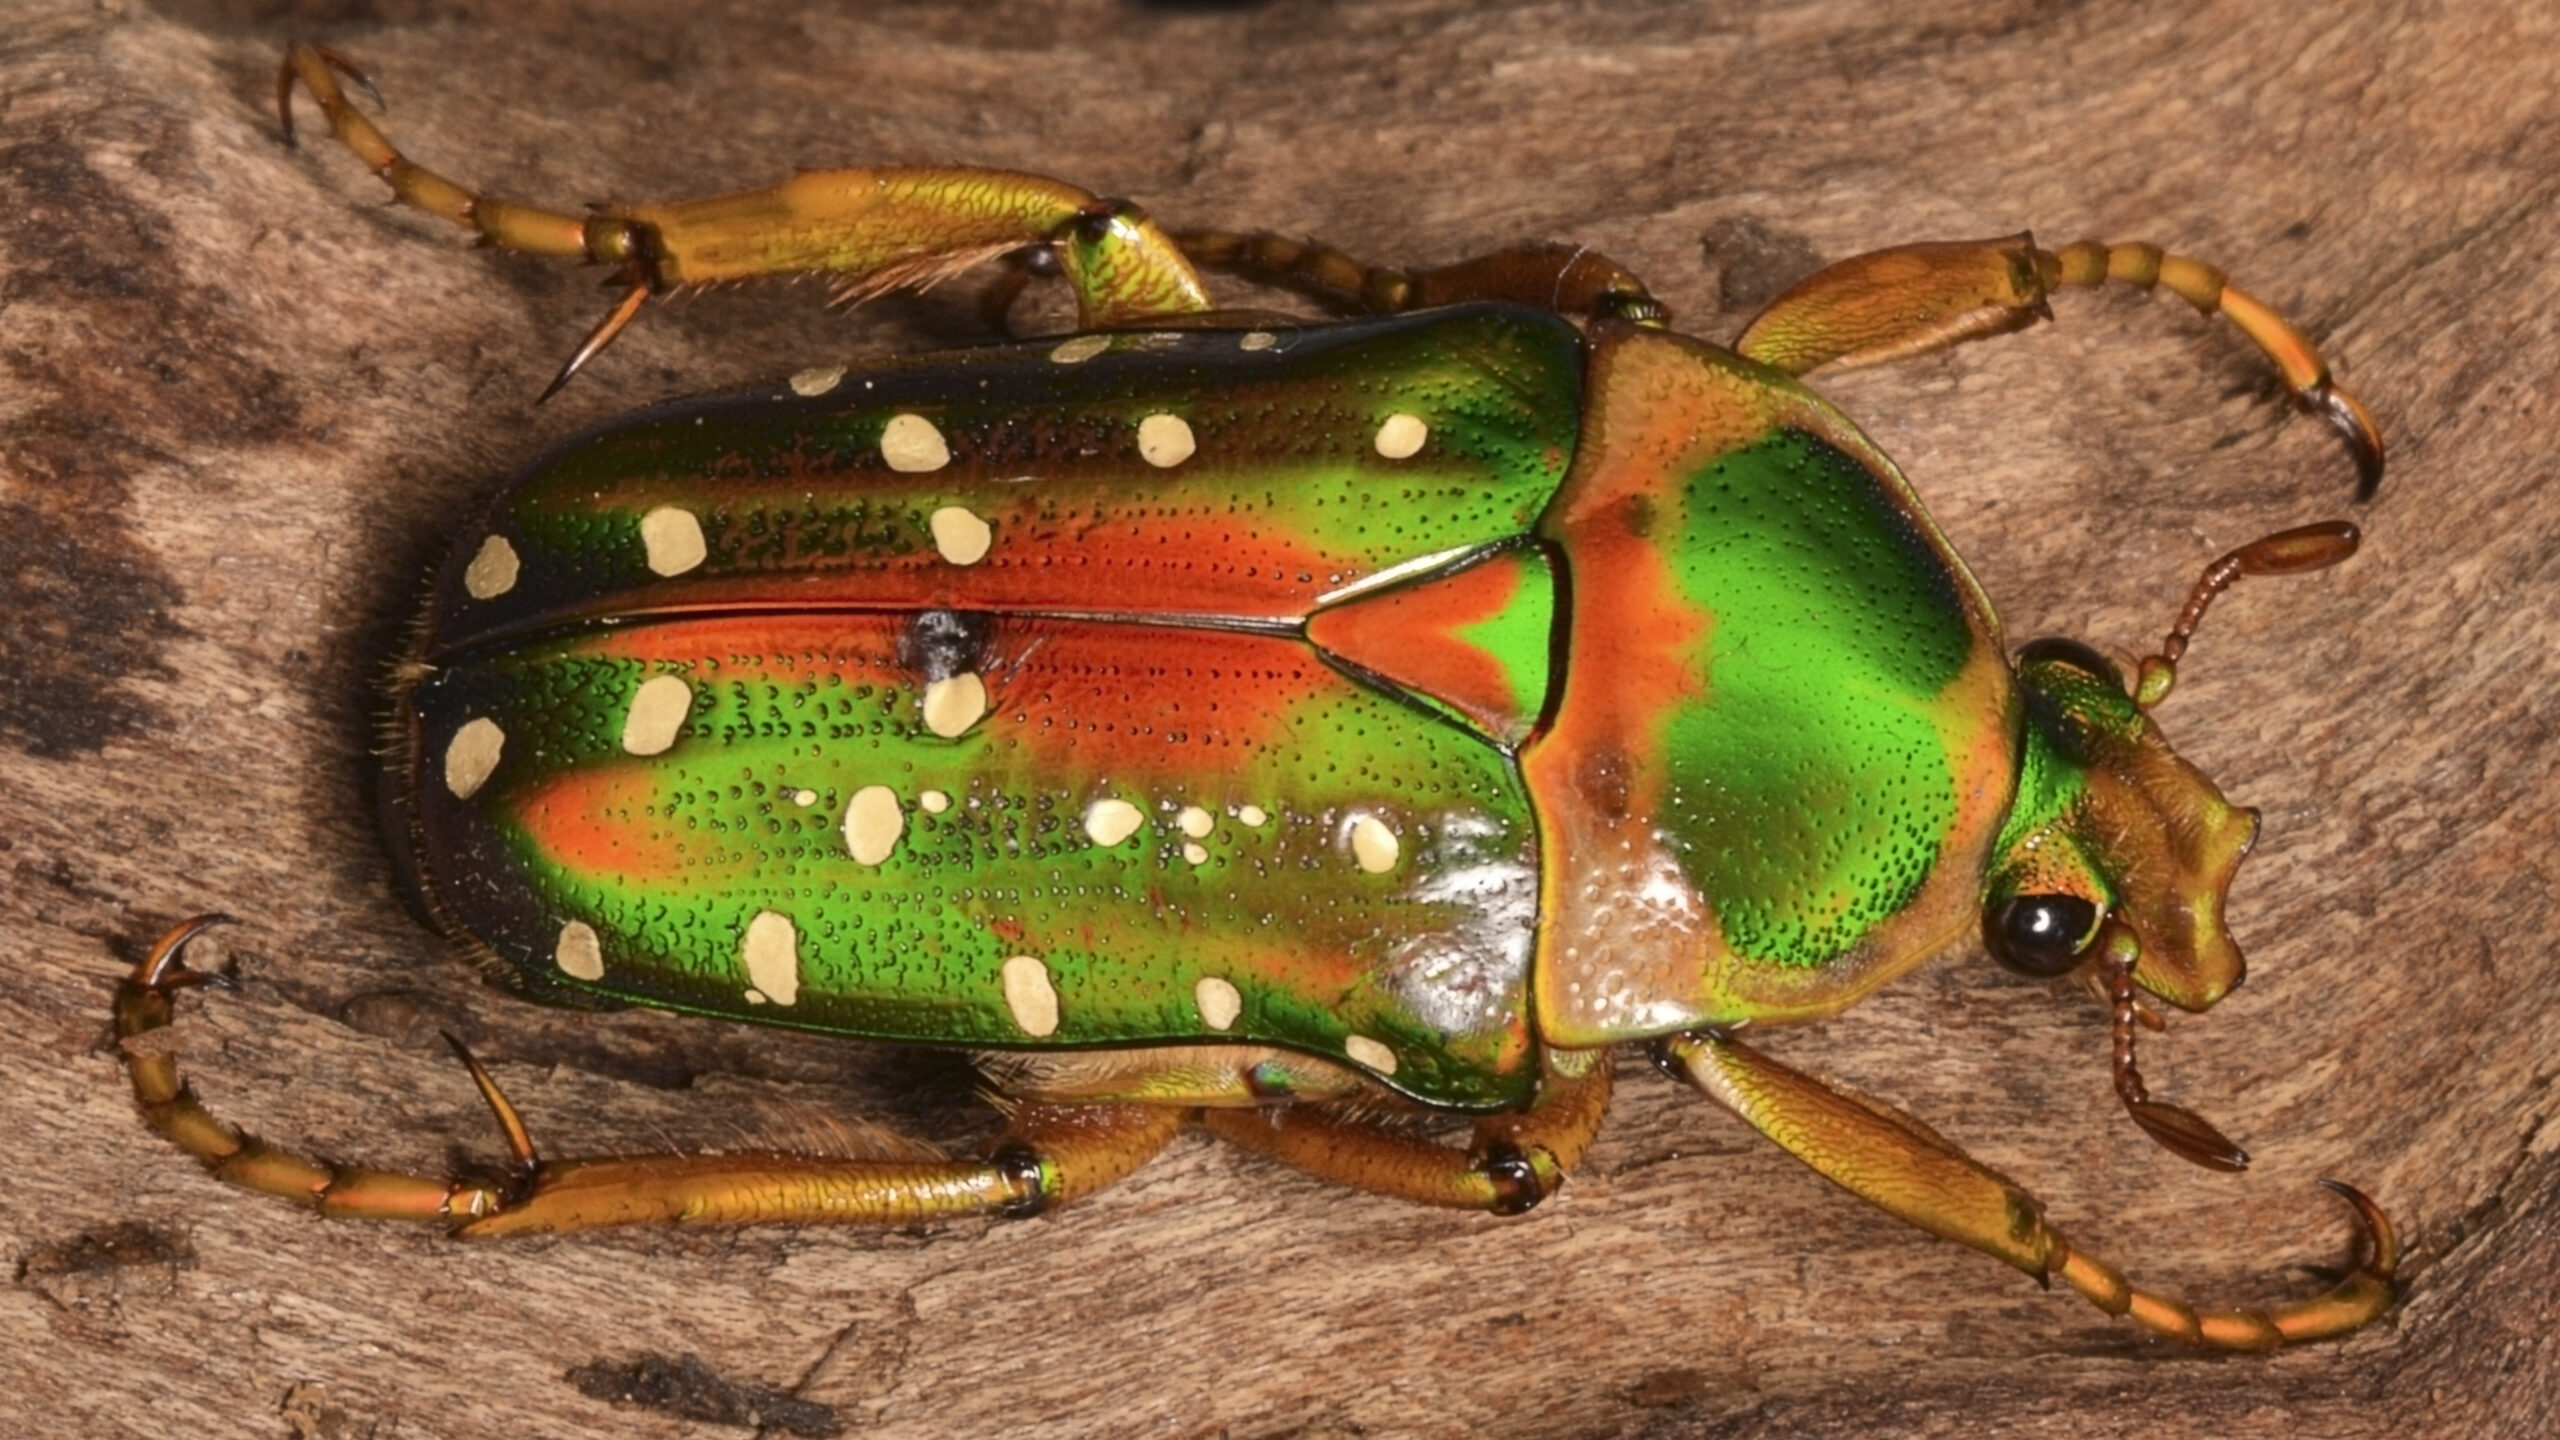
1213, 718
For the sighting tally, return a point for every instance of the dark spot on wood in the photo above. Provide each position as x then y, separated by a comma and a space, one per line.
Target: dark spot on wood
89, 606
110, 1247
688, 1389
1670, 1389
406, 1018
1755, 262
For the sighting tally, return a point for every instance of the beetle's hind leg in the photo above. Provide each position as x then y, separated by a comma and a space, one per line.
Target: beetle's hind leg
1049, 1155
1912, 299
872, 230
1513, 1162
1901, 1166
1571, 280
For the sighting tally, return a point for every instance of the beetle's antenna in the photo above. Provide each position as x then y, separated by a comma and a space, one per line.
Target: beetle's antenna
2178, 1129
2287, 552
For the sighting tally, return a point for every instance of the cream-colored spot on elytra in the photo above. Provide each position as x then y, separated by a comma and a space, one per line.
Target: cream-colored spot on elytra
756, 996
673, 538
1195, 852
579, 955
1220, 1002
492, 572
1254, 816
960, 535
1165, 440
1108, 822
472, 756
934, 802
910, 443
1257, 340
1031, 997
872, 824
1080, 349
658, 711
1195, 822
952, 705
816, 380
1373, 845
1365, 1051
772, 954
1402, 436
804, 798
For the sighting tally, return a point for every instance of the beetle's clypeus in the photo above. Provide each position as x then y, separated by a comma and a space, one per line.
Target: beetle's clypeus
1215, 718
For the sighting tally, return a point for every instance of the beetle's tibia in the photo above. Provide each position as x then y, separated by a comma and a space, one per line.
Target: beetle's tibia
1513, 1162
1571, 280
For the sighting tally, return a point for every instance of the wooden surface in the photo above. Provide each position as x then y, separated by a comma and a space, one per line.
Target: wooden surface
239, 395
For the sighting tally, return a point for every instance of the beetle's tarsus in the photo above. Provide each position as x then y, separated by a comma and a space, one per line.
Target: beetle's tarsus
2354, 424
336, 61
165, 968
2367, 1289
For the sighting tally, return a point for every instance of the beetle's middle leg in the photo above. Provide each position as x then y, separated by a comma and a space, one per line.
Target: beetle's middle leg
1513, 1162
1912, 299
1571, 280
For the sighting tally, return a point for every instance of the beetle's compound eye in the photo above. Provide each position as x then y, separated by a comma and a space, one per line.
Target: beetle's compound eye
2058, 650
2040, 936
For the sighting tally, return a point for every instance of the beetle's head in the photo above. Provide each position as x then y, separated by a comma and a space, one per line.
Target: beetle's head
2110, 827
2116, 855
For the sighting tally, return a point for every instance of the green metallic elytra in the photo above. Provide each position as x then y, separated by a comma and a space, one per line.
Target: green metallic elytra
1226, 720
1134, 630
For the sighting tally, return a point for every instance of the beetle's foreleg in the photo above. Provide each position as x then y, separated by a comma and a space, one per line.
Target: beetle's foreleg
1912, 299
1050, 1155
1513, 1162
1571, 280
1901, 1166
872, 230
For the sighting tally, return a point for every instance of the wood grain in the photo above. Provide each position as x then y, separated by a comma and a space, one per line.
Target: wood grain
241, 394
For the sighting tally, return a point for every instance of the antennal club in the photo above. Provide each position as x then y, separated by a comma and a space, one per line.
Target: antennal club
2178, 1129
